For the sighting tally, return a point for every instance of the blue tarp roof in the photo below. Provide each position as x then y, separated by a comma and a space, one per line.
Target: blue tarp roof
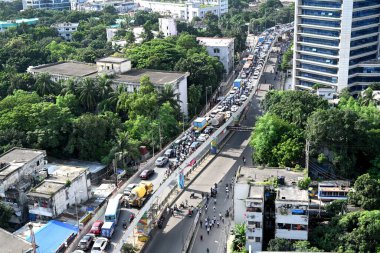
52, 235
298, 211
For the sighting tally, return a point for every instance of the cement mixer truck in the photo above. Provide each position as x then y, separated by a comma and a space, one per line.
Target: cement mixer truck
139, 194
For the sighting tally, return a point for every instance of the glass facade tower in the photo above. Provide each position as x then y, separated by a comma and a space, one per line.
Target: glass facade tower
336, 43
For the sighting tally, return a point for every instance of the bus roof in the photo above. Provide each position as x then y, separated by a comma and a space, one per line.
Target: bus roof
199, 119
113, 205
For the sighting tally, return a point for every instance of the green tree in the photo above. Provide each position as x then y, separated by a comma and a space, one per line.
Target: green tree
304, 246
60, 51
147, 34
168, 123
337, 207
88, 91
304, 183
129, 248
130, 37
279, 244
195, 95
366, 193
5, 215
168, 94
69, 101
240, 238
44, 85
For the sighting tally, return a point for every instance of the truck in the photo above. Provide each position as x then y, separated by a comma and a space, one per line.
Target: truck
199, 124
108, 229
237, 83
218, 119
139, 194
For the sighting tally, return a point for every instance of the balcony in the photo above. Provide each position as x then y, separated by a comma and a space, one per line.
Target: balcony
291, 234
43, 211
254, 232
254, 217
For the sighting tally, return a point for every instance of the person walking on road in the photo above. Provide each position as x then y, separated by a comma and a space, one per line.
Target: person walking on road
208, 230
200, 222
214, 208
220, 216
207, 250
201, 237
244, 160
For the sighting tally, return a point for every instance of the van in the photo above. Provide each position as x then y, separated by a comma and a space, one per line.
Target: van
108, 229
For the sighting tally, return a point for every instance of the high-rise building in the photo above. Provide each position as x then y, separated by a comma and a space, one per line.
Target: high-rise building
336, 44
46, 4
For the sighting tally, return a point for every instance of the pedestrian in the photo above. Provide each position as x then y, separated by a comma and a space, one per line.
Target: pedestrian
186, 202
222, 219
206, 224
217, 223
216, 185
214, 209
203, 195
208, 230
206, 209
215, 201
200, 223
201, 237
214, 218
220, 216
207, 250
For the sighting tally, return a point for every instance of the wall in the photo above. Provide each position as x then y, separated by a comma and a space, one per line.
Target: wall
182, 90
241, 192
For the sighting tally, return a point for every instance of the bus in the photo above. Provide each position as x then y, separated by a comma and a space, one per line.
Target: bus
113, 209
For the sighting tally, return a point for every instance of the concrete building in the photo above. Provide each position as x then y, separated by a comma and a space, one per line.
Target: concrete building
292, 217
333, 190
336, 44
124, 75
137, 32
4, 25
167, 26
63, 187
19, 170
222, 48
11, 243
121, 6
186, 10
46, 4
65, 30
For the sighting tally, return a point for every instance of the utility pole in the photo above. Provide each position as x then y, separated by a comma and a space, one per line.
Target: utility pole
114, 164
159, 133
307, 151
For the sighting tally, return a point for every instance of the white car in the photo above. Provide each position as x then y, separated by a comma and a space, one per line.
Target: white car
99, 245
235, 88
228, 115
161, 161
203, 137
129, 188
234, 108
243, 97
232, 92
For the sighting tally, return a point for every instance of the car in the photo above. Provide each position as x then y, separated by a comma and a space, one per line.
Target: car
129, 188
235, 88
203, 137
99, 245
232, 92
96, 228
170, 153
255, 76
86, 242
195, 145
146, 174
208, 119
228, 114
234, 108
220, 107
243, 97
213, 113
78, 251
246, 92
243, 75
161, 161
208, 130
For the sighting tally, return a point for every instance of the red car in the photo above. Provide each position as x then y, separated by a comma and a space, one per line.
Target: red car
146, 174
96, 228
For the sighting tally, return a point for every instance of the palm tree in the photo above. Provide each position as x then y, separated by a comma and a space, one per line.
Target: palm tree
240, 239
112, 101
69, 86
88, 93
367, 97
126, 147
44, 85
168, 94
104, 84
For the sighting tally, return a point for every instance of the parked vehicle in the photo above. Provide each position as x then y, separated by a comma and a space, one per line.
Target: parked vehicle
108, 229
146, 174
86, 242
96, 228
140, 193
129, 188
161, 161
99, 245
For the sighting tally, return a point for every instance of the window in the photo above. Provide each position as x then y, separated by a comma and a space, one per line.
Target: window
250, 237
38, 163
257, 239
216, 50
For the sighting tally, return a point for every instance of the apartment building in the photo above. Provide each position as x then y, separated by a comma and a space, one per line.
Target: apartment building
249, 208
336, 44
19, 170
185, 10
292, 218
120, 6
333, 190
46, 4
63, 187
123, 74
65, 30
221, 48
167, 26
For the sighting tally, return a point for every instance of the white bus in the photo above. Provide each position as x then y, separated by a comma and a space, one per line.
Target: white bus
113, 209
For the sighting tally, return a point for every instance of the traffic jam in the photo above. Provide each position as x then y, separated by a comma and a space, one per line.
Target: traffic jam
122, 207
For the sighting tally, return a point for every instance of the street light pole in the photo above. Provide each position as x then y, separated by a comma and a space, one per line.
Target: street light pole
76, 211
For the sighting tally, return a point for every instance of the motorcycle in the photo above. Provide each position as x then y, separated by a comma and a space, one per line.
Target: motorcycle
131, 218
125, 224
227, 213
192, 196
190, 213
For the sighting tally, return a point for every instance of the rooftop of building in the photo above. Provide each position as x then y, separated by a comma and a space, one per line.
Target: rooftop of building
334, 183
15, 158
71, 68
256, 192
260, 176
215, 42
93, 167
156, 76
12, 243
112, 59
292, 193
59, 175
